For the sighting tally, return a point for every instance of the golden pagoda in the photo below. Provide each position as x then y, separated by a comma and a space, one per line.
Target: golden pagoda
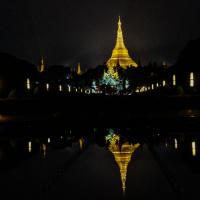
122, 154
41, 66
120, 56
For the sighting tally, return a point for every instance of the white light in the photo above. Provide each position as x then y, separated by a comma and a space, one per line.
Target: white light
191, 79
164, 83
175, 143
47, 86
152, 86
49, 140
194, 148
60, 88
28, 84
29, 146
174, 80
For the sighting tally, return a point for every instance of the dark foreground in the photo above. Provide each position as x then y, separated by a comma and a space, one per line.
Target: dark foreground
88, 163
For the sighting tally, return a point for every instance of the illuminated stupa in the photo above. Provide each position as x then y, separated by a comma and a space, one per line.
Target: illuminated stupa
120, 56
122, 154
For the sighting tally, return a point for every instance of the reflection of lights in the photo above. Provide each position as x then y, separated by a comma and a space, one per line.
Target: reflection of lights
152, 86
194, 148
61, 137
122, 154
49, 140
175, 143
44, 150
29, 146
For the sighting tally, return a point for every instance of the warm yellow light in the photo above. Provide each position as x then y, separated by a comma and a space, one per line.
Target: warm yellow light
191, 79
120, 55
194, 148
49, 140
81, 143
175, 143
29, 146
152, 86
122, 154
157, 84
174, 80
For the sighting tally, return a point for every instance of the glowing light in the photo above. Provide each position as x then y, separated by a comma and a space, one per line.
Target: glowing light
164, 83
41, 66
152, 86
69, 88
29, 146
174, 80
49, 140
47, 86
61, 137
120, 55
44, 150
122, 154
191, 79
157, 85
78, 71
81, 143
60, 88
175, 143
194, 149
28, 84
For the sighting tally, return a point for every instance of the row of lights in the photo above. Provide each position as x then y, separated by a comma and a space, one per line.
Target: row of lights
144, 88
193, 147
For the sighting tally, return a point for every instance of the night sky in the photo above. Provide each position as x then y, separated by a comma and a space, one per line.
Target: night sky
71, 31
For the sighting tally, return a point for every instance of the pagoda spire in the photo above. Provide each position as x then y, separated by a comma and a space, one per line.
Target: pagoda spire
120, 55
79, 72
41, 66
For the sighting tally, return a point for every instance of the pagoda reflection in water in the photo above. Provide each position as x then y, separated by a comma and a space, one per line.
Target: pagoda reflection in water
122, 153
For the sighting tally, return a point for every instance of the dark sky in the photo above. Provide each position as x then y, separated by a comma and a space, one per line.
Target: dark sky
71, 31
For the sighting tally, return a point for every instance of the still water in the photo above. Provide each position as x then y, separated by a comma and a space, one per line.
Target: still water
98, 163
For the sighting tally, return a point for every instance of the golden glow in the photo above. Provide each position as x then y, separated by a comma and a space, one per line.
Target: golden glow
175, 143
122, 154
78, 71
29, 146
194, 149
191, 79
120, 56
174, 80
28, 84
41, 66
81, 143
